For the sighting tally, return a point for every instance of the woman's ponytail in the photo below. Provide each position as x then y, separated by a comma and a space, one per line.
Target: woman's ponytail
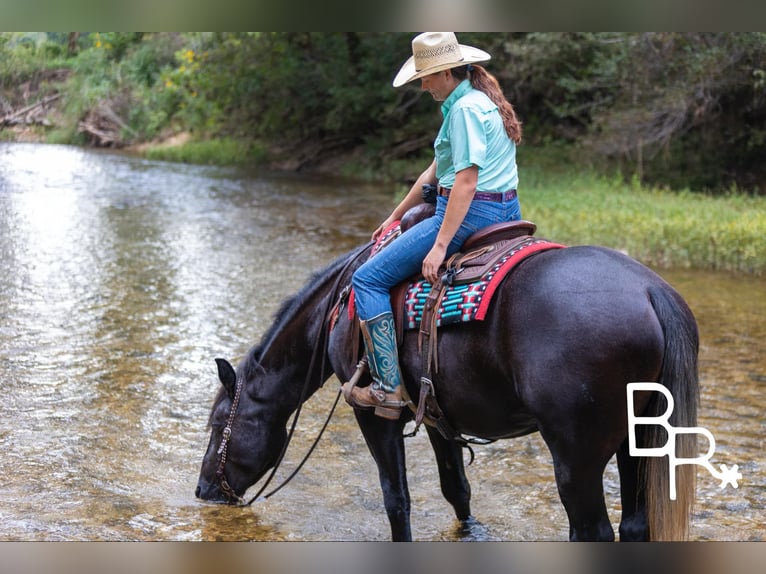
484, 81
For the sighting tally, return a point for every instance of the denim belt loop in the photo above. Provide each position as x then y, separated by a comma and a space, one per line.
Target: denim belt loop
496, 196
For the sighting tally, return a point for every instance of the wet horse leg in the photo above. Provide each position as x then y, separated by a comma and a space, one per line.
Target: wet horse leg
633, 524
454, 484
385, 440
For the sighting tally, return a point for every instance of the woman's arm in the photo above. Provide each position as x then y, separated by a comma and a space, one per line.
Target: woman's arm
414, 197
459, 201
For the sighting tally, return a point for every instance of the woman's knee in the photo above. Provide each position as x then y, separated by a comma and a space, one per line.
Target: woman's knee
359, 279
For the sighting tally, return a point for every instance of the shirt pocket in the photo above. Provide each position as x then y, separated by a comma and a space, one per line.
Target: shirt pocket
443, 153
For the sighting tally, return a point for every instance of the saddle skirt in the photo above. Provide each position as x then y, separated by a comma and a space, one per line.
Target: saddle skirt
470, 277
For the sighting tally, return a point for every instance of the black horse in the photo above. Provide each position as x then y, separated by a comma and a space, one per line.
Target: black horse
567, 331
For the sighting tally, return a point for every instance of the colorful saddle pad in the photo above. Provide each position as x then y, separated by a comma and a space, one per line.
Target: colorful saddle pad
469, 302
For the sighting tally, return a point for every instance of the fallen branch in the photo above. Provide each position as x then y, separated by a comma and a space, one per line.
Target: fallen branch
104, 127
14, 117
100, 136
109, 114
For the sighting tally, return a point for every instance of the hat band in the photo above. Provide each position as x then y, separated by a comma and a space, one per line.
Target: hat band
442, 53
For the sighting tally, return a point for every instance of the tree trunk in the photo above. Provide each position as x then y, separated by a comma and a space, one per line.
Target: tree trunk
72, 47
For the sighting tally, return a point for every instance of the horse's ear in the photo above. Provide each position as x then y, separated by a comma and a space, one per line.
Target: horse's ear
227, 375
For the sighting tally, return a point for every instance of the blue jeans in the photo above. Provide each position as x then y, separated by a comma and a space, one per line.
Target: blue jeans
403, 258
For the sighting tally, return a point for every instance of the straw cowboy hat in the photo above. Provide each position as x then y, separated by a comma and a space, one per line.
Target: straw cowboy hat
434, 52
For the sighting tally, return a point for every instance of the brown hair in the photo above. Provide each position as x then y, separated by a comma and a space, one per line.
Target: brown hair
482, 80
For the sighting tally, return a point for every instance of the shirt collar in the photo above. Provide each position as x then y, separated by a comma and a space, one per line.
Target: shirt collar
462, 89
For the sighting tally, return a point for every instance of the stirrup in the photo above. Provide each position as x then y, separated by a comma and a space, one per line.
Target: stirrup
348, 387
390, 410
382, 359
387, 409
376, 398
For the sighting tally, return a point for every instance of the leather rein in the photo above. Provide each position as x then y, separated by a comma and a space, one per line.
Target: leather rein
227, 432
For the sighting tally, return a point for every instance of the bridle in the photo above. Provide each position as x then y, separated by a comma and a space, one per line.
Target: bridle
220, 473
223, 448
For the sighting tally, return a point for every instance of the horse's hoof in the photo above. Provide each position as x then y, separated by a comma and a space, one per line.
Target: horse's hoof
471, 530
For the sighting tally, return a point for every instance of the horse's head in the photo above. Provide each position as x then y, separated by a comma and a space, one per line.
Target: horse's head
245, 438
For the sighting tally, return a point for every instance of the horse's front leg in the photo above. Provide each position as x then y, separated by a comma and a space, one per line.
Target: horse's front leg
454, 484
386, 443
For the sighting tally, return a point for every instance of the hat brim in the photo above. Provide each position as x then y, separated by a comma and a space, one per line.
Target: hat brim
407, 73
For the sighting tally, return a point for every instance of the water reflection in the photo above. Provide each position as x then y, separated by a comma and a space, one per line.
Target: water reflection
122, 280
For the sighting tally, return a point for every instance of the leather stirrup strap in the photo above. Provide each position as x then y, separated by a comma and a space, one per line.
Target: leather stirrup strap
427, 335
426, 389
356, 334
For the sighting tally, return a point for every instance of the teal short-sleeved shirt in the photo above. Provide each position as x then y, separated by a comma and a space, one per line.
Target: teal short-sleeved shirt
472, 133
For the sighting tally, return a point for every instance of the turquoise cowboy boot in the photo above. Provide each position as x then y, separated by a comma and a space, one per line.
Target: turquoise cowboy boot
385, 393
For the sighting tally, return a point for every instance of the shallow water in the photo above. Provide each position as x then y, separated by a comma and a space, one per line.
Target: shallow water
123, 278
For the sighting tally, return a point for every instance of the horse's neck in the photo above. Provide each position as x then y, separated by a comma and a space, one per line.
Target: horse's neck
295, 354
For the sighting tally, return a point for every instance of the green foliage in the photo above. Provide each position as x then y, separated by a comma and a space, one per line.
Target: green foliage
325, 89
25, 59
669, 109
123, 72
678, 109
562, 80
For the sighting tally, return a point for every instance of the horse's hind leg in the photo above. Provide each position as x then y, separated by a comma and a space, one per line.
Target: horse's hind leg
633, 524
385, 440
579, 477
454, 484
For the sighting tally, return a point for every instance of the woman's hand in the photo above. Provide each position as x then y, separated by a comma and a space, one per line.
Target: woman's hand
382, 227
432, 262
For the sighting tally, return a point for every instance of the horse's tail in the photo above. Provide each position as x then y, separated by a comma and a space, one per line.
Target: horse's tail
668, 519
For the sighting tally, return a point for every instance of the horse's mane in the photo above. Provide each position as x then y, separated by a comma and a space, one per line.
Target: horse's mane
251, 362
291, 307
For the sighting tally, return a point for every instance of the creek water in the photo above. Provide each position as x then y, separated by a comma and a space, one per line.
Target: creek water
122, 279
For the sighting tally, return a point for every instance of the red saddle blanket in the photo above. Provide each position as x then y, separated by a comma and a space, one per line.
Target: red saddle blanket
460, 303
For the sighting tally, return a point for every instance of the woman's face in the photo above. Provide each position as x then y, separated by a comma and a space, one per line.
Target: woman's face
438, 84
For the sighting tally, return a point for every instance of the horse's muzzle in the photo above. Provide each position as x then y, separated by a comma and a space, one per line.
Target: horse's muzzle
211, 492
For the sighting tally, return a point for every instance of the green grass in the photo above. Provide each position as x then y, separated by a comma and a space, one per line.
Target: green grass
661, 228
211, 152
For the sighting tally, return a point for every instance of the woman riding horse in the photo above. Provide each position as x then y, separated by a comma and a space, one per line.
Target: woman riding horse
568, 331
475, 170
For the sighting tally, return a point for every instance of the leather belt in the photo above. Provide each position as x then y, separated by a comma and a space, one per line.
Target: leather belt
497, 196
